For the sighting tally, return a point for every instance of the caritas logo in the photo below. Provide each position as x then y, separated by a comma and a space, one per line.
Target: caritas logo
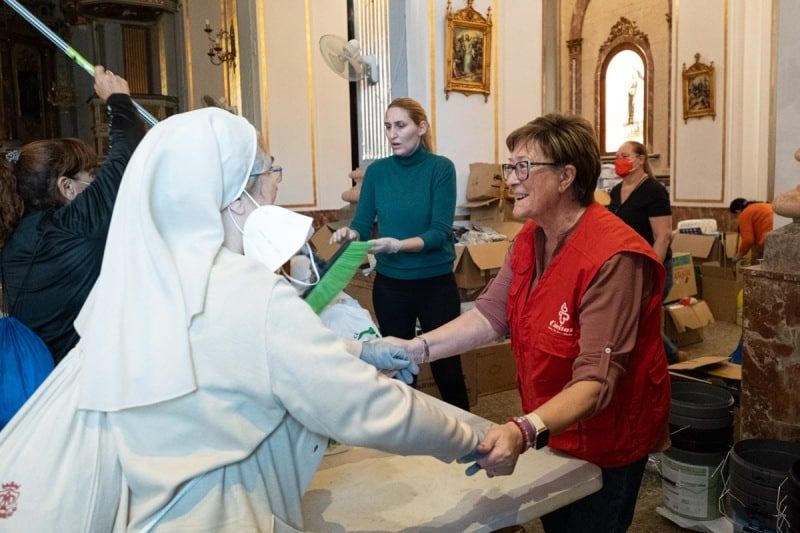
563, 317
9, 494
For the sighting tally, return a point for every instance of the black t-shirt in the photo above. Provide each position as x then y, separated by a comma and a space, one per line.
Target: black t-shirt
649, 199
68, 243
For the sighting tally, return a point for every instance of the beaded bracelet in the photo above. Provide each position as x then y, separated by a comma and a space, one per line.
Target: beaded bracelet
427, 349
528, 433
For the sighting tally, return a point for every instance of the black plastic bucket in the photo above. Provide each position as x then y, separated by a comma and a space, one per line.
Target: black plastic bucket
700, 400
750, 521
701, 417
758, 467
763, 462
794, 480
701, 440
792, 504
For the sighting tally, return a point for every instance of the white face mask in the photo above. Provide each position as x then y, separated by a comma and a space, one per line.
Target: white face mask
273, 234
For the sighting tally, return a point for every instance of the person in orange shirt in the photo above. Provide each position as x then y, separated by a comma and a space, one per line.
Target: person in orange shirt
755, 221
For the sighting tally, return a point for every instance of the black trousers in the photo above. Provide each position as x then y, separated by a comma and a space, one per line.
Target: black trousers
434, 301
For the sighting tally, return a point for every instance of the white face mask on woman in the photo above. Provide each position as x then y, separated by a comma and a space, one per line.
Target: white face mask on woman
273, 234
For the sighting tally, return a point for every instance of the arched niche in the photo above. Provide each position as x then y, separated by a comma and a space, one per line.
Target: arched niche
625, 43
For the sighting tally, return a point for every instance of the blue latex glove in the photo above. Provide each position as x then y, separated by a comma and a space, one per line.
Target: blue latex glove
474, 455
384, 356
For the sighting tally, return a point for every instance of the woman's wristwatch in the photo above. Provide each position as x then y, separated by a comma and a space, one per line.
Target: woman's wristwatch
542, 435
534, 432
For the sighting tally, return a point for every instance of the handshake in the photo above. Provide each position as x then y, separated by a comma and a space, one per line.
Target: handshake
499, 448
390, 353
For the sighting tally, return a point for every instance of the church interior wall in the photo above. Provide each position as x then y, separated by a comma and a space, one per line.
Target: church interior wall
282, 85
786, 114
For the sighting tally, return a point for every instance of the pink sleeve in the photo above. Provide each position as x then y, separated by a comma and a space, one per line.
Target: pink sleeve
491, 303
609, 319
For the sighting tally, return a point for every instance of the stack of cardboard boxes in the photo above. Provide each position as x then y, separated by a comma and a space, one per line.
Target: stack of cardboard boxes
685, 316
719, 278
714, 279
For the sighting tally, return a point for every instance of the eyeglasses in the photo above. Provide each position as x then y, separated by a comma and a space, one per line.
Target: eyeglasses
276, 172
523, 168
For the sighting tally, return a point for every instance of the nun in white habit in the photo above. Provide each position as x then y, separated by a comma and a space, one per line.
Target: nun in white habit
203, 390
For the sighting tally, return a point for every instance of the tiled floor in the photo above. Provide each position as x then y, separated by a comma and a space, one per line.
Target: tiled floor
720, 338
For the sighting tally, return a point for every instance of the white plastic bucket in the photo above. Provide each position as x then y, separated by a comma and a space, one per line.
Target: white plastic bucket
691, 483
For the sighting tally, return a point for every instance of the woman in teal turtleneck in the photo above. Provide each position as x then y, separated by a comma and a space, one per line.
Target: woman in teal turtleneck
413, 196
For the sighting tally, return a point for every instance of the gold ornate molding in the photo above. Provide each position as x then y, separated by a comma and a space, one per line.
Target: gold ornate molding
624, 28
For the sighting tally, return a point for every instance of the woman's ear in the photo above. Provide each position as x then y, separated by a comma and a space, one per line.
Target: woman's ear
567, 177
67, 188
237, 206
423, 126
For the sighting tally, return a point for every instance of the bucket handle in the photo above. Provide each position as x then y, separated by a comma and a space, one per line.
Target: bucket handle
782, 519
684, 428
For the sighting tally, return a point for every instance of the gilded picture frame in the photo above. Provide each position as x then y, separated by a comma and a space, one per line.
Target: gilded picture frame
698, 90
468, 51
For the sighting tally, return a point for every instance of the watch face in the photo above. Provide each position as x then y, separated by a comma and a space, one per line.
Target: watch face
542, 437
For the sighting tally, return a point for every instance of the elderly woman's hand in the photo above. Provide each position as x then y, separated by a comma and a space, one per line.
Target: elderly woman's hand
344, 234
385, 356
499, 451
413, 348
107, 83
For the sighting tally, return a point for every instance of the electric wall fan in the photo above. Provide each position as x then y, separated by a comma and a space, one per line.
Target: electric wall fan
345, 59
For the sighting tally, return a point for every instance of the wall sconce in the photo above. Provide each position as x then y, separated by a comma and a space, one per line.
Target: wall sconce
215, 53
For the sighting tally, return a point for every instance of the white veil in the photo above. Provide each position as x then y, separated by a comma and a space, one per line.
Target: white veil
165, 232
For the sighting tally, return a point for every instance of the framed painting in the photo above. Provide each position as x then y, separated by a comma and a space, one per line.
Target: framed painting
468, 51
698, 90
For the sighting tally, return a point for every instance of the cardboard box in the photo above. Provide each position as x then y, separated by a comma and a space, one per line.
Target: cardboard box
684, 323
496, 368
485, 181
490, 211
731, 239
703, 248
475, 264
684, 283
320, 242
708, 365
721, 286
426, 384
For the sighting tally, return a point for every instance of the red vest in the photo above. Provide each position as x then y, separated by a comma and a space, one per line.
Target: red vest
545, 330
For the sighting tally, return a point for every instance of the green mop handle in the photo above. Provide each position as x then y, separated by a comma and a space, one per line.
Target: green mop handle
67, 49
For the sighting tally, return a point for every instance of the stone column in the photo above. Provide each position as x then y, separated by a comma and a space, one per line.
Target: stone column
770, 402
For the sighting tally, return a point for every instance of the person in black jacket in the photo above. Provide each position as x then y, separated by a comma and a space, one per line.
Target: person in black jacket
55, 209
643, 204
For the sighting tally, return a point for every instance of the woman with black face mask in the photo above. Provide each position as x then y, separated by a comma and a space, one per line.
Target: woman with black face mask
643, 204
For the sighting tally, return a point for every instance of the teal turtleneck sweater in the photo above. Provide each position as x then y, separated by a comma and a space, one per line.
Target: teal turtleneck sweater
412, 196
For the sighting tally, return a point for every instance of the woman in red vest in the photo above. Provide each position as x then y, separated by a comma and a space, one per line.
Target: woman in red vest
580, 295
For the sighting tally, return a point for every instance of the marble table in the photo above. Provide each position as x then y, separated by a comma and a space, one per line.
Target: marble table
367, 490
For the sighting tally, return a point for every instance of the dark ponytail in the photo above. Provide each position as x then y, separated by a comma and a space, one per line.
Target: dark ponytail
11, 204
31, 182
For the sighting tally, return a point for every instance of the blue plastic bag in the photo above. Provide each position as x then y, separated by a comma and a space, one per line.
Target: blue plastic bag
25, 362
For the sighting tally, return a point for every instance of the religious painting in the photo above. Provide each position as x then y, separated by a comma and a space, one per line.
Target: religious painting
468, 51
698, 90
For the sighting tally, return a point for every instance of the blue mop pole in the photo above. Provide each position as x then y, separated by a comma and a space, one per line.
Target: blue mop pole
67, 49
